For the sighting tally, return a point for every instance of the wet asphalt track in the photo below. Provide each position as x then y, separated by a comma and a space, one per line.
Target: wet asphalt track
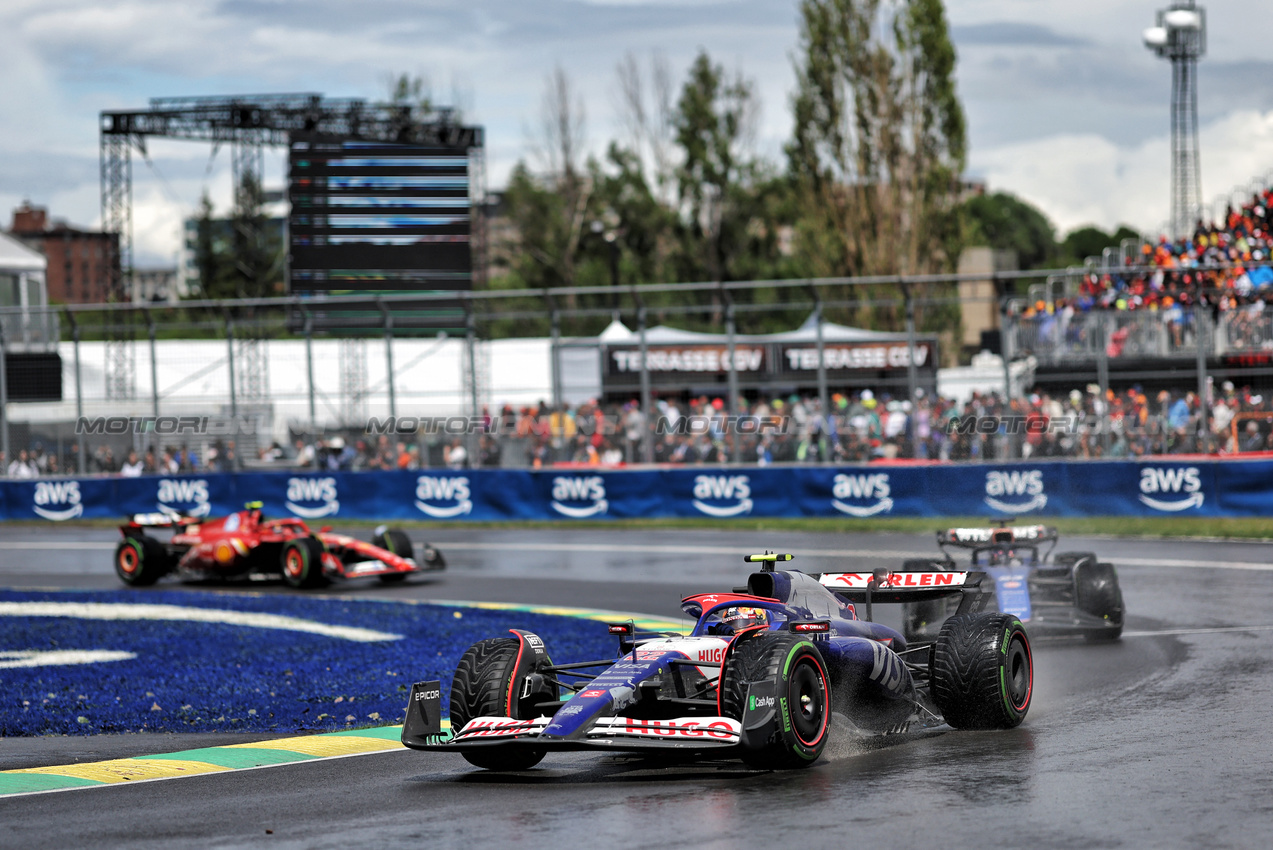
1159, 741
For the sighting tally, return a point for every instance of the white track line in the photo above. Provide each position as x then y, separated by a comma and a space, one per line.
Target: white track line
54, 546
1201, 631
843, 554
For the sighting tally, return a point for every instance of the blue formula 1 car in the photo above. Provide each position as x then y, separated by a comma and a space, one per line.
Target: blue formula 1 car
1070, 593
758, 677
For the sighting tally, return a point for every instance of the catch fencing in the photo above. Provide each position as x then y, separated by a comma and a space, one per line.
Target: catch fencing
292, 367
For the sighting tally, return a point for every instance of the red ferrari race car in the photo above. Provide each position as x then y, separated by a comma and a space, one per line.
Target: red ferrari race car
246, 544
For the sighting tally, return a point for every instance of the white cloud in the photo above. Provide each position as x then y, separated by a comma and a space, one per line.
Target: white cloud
1086, 179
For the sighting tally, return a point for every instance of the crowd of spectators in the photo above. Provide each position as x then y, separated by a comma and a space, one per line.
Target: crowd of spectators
1223, 268
860, 427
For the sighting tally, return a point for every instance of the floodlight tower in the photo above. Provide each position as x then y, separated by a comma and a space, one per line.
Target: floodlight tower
1181, 36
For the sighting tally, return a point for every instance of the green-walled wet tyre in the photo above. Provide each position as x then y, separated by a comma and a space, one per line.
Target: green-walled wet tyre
982, 671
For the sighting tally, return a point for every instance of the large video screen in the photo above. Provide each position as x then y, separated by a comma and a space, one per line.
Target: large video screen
378, 217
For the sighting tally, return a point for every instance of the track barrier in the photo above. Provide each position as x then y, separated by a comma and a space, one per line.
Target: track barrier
1156, 487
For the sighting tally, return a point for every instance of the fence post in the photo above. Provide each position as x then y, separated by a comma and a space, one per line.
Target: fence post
229, 339
1202, 339
1102, 377
647, 440
824, 398
154, 365
309, 371
734, 412
4, 399
470, 340
388, 317
1005, 354
555, 348
81, 462
912, 376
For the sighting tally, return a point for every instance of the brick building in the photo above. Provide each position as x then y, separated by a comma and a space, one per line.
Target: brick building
79, 260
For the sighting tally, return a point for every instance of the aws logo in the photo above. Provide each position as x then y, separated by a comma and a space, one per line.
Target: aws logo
184, 492
58, 500
312, 490
1183, 481
590, 490
1016, 484
430, 489
862, 487
735, 489
887, 669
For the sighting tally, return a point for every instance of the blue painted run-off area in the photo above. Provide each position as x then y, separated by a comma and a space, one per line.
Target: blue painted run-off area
1178, 487
187, 676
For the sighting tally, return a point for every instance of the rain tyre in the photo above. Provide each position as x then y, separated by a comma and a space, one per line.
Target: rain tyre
982, 671
302, 563
1096, 592
140, 561
481, 689
799, 673
396, 541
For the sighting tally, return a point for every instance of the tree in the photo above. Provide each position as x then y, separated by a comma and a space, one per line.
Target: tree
1090, 241
1007, 223
647, 114
209, 252
413, 94
713, 124
257, 254
242, 256
879, 141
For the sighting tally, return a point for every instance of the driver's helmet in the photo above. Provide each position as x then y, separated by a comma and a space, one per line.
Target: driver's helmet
744, 616
1004, 558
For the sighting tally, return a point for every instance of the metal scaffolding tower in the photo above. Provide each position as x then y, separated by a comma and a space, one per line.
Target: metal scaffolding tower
1181, 36
117, 218
353, 381
247, 123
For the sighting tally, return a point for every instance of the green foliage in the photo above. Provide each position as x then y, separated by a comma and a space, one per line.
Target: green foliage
871, 183
239, 257
879, 141
1007, 223
1090, 241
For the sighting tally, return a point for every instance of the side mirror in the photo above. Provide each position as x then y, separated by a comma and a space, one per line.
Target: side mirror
325, 529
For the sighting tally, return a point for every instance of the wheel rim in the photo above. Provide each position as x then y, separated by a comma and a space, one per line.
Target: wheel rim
294, 563
807, 702
1019, 673
129, 560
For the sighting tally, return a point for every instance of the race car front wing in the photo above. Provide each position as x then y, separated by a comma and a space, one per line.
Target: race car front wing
422, 730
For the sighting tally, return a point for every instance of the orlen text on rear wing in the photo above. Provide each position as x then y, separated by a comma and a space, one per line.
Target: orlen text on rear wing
885, 586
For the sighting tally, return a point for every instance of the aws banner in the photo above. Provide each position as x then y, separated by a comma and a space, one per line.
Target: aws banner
1096, 488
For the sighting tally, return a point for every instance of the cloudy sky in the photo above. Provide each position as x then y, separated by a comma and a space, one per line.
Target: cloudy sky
1066, 107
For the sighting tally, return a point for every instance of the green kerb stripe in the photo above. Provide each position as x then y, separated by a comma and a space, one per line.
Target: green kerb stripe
389, 733
25, 783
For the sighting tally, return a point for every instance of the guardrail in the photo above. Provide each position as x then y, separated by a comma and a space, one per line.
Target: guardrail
1160, 487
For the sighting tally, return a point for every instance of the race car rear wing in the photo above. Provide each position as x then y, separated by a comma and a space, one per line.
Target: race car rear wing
886, 586
157, 521
975, 538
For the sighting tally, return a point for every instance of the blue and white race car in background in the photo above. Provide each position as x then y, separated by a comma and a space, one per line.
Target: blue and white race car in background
1067, 593
757, 678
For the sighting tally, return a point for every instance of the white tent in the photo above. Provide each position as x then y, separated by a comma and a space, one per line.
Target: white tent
16, 258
